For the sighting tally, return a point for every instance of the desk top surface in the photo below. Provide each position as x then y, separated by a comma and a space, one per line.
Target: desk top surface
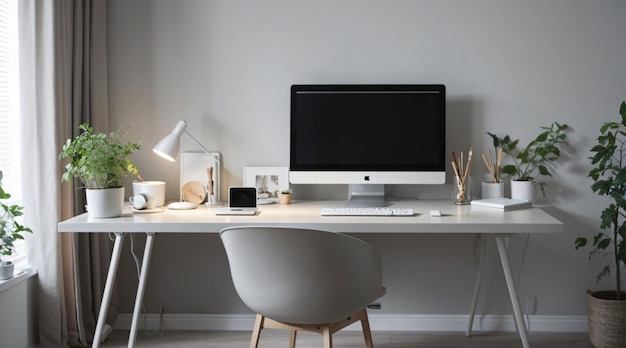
306, 214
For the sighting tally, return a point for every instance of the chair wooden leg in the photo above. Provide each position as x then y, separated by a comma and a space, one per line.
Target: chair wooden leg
328, 336
326, 330
367, 334
292, 338
256, 333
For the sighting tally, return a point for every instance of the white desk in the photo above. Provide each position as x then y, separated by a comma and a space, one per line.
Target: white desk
456, 219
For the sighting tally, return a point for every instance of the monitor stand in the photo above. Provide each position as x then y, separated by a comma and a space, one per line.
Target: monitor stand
366, 195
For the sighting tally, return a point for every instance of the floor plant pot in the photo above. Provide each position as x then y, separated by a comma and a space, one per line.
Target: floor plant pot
6, 270
523, 190
607, 319
105, 203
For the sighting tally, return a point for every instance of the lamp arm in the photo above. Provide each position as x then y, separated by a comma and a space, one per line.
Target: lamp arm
202, 147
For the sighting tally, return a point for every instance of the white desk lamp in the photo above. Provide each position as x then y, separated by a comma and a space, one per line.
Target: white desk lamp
168, 149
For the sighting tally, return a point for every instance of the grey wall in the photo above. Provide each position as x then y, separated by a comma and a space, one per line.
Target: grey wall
509, 67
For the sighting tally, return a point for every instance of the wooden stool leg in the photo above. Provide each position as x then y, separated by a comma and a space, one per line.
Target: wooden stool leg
328, 338
256, 333
367, 334
292, 338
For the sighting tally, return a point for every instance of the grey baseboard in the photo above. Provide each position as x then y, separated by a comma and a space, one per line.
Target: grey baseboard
378, 322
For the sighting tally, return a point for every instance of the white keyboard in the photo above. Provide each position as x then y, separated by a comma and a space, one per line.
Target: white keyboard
367, 211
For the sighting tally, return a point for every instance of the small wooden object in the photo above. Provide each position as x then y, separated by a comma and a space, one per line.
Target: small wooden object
194, 192
209, 172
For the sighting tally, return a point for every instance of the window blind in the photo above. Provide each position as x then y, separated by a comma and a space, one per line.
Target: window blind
9, 113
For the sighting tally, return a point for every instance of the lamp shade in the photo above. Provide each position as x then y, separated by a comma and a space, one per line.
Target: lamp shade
168, 146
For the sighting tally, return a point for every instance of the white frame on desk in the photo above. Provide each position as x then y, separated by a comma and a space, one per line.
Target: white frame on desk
193, 167
251, 178
456, 219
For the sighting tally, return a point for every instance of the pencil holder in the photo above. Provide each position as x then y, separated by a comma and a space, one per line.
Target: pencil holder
492, 190
462, 190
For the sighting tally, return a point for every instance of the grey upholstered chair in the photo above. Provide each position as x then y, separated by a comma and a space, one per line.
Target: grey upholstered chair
300, 279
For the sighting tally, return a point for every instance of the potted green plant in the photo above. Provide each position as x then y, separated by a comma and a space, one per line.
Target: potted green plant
607, 309
10, 231
533, 160
101, 161
284, 196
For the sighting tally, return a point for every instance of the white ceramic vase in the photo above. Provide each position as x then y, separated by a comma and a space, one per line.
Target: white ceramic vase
154, 191
523, 190
492, 190
105, 203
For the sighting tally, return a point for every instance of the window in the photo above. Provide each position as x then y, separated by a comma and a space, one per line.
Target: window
9, 112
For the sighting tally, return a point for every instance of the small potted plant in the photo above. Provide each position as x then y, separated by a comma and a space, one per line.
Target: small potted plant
532, 161
10, 231
284, 196
607, 309
101, 162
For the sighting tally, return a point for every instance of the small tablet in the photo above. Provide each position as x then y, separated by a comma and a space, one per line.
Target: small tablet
241, 201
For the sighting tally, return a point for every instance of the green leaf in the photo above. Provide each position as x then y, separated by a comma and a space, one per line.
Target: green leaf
542, 137
543, 170
604, 243
607, 216
495, 139
580, 242
509, 169
607, 126
620, 176
606, 272
597, 238
602, 187
622, 231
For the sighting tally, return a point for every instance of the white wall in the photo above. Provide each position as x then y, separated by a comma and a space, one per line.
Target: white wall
509, 66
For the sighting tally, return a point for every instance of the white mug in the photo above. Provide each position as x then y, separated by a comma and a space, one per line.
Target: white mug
153, 190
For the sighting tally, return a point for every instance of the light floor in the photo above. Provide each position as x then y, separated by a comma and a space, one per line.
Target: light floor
349, 339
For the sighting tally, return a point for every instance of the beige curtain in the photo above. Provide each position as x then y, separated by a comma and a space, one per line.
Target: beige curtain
63, 77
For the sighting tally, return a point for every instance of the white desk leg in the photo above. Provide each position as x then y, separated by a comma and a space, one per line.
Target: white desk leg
510, 282
108, 288
141, 288
479, 274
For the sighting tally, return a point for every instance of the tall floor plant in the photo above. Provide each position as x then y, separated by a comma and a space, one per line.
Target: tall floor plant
609, 175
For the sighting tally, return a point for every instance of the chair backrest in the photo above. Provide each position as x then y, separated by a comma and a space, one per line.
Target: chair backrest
300, 275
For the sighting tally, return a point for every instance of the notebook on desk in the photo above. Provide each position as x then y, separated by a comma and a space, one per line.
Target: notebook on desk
503, 203
241, 201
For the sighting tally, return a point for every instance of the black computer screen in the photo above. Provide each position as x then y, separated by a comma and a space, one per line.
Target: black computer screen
367, 128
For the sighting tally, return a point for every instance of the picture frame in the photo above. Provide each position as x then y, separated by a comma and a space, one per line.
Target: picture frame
269, 181
194, 168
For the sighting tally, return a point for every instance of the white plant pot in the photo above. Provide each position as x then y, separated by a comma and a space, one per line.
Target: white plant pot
523, 190
492, 190
6, 270
105, 203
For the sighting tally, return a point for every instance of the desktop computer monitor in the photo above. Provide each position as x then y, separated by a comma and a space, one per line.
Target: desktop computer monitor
367, 136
